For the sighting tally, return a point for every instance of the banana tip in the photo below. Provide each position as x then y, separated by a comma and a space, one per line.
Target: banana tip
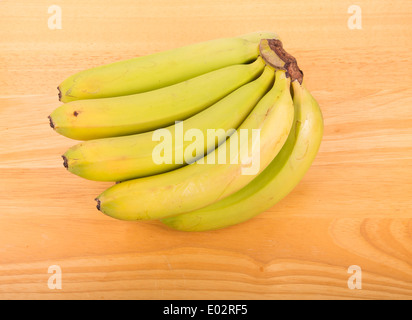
51, 122
98, 204
65, 163
60, 93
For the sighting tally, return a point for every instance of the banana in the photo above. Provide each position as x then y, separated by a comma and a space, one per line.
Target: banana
124, 158
275, 182
200, 184
142, 112
161, 69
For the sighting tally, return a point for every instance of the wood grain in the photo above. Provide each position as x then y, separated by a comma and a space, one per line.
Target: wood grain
354, 206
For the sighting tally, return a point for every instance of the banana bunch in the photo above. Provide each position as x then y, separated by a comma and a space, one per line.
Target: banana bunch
200, 137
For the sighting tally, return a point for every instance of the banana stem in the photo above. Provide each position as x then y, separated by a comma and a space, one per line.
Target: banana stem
275, 55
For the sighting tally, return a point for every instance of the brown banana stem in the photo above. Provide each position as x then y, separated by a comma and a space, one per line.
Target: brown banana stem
275, 55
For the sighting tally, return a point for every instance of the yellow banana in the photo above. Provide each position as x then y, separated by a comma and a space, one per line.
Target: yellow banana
161, 69
118, 116
200, 184
274, 183
124, 158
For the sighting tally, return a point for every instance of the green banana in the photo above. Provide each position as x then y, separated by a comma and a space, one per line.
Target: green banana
161, 69
275, 182
124, 115
200, 184
124, 158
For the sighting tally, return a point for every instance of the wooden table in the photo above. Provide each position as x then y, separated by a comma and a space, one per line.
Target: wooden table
353, 207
